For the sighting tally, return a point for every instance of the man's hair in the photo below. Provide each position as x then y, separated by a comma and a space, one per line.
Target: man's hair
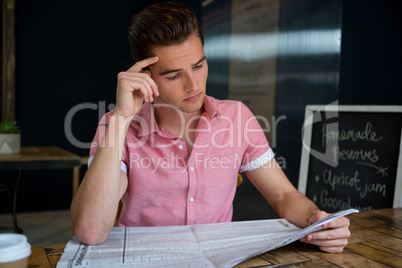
161, 24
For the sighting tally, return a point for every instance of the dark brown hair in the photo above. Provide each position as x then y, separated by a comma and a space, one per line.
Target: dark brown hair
161, 24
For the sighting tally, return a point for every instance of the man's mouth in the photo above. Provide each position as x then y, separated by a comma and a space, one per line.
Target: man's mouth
193, 98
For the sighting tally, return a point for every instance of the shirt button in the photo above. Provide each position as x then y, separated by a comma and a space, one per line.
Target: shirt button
180, 146
192, 168
191, 199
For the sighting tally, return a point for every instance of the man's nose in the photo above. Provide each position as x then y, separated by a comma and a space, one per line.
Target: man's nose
191, 83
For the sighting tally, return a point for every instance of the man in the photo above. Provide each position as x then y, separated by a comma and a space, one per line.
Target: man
171, 153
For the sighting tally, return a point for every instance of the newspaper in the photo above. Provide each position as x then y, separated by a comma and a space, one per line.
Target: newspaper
202, 245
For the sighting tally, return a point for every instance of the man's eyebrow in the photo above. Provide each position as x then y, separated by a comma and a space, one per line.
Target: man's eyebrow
201, 60
178, 70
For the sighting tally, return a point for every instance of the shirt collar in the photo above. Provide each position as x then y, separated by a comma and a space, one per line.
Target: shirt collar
148, 123
210, 108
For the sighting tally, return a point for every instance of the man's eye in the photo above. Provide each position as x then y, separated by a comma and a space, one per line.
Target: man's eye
173, 77
198, 66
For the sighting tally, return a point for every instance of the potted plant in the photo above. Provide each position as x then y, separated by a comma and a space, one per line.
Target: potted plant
10, 137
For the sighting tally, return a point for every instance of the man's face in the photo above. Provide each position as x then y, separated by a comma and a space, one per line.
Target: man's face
181, 75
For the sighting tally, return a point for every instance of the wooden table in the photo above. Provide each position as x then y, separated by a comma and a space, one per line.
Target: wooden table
376, 241
31, 158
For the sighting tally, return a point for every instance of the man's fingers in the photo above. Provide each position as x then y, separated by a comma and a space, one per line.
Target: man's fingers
330, 240
135, 86
341, 242
333, 238
338, 223
139, 81
152, 83
139, 66
140, 69
144, 88
332, 249
332, 246
329, 234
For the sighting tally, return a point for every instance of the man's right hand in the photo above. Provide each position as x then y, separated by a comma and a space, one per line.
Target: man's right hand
135, 86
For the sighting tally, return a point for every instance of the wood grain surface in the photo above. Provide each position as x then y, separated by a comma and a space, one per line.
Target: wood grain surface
376, 241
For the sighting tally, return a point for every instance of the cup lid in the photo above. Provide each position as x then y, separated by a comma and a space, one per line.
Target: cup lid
13, 247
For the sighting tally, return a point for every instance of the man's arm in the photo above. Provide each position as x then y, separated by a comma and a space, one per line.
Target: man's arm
95, 204
297, 208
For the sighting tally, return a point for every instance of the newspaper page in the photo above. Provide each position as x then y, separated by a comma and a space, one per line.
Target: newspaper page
202, 245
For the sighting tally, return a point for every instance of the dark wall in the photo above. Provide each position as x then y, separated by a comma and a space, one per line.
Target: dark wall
371, 53
69, 53
369, 70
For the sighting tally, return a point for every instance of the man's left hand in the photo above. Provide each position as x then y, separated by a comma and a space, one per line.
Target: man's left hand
335, 236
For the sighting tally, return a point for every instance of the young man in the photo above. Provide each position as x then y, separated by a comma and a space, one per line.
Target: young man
171, 153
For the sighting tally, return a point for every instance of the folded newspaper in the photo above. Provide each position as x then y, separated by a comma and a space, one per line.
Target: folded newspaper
201, 245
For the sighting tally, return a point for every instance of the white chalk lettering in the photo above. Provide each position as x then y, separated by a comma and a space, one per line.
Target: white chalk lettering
343, 179
350, 135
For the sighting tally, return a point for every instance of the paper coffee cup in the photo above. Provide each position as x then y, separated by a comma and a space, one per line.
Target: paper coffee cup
14, 251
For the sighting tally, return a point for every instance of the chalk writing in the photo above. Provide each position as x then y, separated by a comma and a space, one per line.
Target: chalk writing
350, 135
374, 187
380, 169
360, 154
343, 179
335, 203
365, 147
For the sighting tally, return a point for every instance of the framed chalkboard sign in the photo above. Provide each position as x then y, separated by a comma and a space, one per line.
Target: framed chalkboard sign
352, 157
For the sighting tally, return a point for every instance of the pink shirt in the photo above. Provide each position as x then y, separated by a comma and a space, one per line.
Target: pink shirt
166, 186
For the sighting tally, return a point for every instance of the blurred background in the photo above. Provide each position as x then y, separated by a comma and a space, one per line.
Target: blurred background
296, 52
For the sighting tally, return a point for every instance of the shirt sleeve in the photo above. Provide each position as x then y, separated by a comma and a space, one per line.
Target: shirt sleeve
100, 133
257, 151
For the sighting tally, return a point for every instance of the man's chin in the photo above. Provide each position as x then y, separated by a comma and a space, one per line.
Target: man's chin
193, 107
185, 107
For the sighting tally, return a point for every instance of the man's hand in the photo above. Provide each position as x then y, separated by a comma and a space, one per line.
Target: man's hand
135, 86
334, 238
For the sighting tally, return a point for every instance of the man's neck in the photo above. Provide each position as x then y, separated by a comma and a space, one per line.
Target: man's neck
176, 121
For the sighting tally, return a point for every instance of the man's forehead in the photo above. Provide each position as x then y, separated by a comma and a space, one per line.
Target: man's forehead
178, 61
173, 60
189, 52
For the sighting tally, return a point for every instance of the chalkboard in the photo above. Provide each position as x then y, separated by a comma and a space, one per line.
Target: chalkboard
352, 157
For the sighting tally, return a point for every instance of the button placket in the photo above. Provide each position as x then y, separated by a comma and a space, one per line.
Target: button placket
191, 205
